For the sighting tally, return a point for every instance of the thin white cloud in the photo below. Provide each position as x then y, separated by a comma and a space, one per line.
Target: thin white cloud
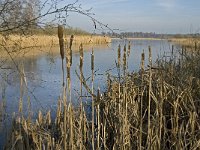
104, 2
166, 4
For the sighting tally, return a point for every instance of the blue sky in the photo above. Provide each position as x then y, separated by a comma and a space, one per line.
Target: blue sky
161, 16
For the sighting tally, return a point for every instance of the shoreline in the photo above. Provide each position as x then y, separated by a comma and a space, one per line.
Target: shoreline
139, 38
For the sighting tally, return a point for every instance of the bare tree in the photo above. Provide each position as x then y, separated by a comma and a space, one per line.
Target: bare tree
20, 15
31, 11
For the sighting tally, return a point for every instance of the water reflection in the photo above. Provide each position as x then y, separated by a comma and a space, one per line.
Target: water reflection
43, 72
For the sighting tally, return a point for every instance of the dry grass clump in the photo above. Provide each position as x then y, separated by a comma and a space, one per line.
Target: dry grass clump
156, 108
48, 134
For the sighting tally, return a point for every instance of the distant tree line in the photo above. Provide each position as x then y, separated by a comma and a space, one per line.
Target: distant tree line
51, 29
148, 35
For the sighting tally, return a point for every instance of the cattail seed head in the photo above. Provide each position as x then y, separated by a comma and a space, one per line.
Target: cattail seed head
142, 61
61, 40
150, 56
129, 48
92, 59
119, 55
81, 55
60, 31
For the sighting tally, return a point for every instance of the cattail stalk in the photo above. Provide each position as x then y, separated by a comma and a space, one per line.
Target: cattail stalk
119, 61
141, 100
98, 119
61, 43
149, 99
21, 88
81, 56
142, 63
92, 68
81, 68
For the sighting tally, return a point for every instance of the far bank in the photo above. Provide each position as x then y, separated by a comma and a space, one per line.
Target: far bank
50, 40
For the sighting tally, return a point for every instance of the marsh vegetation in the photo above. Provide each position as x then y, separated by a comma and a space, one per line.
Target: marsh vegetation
155, 107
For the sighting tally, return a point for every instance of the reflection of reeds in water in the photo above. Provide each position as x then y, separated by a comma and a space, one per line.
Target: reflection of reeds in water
1, 113
150, 109
119, 56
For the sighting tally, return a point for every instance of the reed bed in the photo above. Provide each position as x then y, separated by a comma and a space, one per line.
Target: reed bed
155, 108
186, 42
46, 41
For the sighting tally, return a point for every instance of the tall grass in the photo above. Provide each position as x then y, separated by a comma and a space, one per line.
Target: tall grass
155, 108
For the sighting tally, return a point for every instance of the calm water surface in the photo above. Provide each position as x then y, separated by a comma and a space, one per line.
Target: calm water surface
44, 75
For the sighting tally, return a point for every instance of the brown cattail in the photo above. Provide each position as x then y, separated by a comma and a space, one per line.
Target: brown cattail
142, 62
119, 55
48, 118
60, 31
92, 59
129, 48
40, 118
124, 58
68, 72
150, 57
70, 47
61, 40
81, 55
68, 62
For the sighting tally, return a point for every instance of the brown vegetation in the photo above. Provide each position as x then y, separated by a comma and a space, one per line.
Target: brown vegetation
156, 108
187, 42
47, 41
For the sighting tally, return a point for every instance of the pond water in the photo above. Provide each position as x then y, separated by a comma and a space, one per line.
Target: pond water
44, 75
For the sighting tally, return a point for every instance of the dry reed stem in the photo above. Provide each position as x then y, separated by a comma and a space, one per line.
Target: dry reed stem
92, 69
149, 99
